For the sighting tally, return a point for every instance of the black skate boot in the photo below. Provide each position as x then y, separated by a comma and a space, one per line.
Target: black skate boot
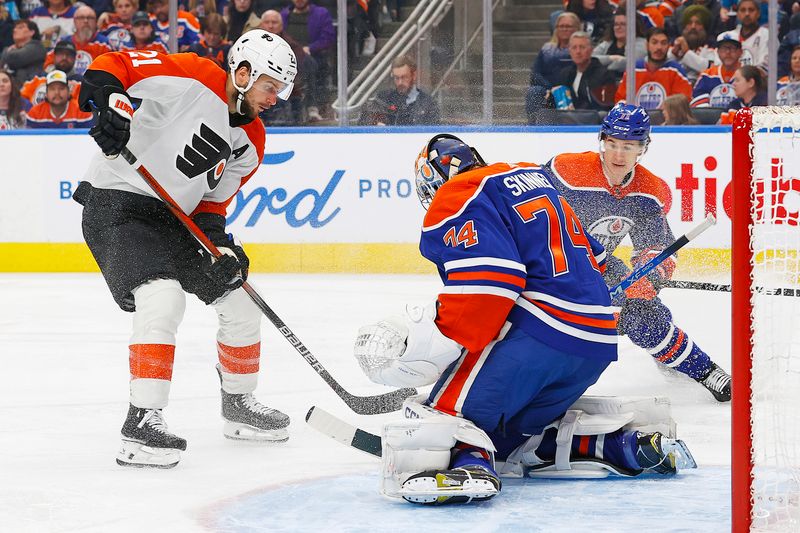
248, 419
459, 485
147, 442
660, 454
718, 383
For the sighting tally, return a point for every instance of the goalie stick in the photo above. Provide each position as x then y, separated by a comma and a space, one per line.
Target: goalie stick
342, 432
363, 405
645, 269
721, 287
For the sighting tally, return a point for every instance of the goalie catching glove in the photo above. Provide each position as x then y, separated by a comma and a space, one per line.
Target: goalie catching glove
405, 351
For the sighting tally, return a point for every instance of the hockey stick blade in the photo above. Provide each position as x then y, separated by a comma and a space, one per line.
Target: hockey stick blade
645, 269
720, 287
342, 432
363, 405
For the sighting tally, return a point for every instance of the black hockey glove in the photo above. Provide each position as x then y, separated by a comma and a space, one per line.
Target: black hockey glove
105, 96
229, 270
113, 128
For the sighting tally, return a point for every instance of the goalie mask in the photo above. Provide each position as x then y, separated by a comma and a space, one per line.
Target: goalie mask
266, 53
443, 157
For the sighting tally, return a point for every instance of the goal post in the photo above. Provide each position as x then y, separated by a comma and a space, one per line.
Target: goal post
765, 325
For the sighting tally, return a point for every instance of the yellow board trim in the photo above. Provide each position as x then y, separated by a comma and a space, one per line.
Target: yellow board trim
367, 258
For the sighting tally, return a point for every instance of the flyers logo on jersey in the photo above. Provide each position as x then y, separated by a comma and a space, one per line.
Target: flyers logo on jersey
208, 153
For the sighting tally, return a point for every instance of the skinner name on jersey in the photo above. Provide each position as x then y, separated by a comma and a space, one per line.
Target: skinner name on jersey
521, 182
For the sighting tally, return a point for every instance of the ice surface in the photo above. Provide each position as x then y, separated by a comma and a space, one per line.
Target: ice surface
63, 397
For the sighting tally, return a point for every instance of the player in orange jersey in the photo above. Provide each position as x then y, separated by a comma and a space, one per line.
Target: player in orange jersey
188, 106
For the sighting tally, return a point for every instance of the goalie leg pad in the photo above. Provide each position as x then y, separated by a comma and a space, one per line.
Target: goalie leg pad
424, 444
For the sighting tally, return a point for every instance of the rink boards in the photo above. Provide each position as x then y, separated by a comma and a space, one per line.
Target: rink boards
324, 200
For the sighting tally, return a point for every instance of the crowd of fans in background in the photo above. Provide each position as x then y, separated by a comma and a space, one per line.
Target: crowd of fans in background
691, 55
704, 57
47, 45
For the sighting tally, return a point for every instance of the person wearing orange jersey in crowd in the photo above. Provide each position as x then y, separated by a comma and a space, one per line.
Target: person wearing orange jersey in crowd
521, 327
59, 110
614, 197
143, 36
88, 43
656, 77
64, 60
189, 106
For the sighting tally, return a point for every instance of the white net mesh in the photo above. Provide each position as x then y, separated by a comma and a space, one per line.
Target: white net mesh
775, 241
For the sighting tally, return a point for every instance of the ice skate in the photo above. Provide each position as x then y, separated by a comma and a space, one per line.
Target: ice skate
247, 419
147, 442
718, 383
459, 485
660, 454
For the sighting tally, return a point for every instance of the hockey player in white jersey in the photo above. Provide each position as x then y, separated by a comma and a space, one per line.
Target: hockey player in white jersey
196, 128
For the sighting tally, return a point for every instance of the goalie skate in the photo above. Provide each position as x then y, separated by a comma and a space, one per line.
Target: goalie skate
459, 485
662, 455
247, 419
146, 441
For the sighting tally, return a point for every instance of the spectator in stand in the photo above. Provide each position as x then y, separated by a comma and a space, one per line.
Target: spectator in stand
116, 26
789, 85
715, 25
611, 51
303, 97
550, 61
751, 90
657, 77
12, 106
677, 112
714, 87
753, 37
590, 84
58, 110
213, 44
595, 16
87, 42
35, 89
650, 12
54, 20
188, 27
24, 58
143, 35
6, 27
691, 49
788, 43
312, 27
201, 9
405, 104
242, 19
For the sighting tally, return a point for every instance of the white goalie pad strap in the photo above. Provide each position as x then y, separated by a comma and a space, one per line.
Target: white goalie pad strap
650, 413
576, 422
467, 432
405, 351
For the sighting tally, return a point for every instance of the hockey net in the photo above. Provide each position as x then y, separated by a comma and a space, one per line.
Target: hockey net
766, 319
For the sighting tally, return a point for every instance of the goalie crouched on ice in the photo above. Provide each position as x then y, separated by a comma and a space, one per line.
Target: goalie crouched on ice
522, 327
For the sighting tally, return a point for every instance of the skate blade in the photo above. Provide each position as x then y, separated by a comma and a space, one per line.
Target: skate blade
137, 455
426, 490
245, 432
679, 452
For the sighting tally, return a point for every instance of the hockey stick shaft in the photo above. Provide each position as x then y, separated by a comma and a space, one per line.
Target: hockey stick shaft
721, 287
363, 405
645, 269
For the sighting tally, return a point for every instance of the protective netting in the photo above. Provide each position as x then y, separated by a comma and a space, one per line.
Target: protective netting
775, 244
